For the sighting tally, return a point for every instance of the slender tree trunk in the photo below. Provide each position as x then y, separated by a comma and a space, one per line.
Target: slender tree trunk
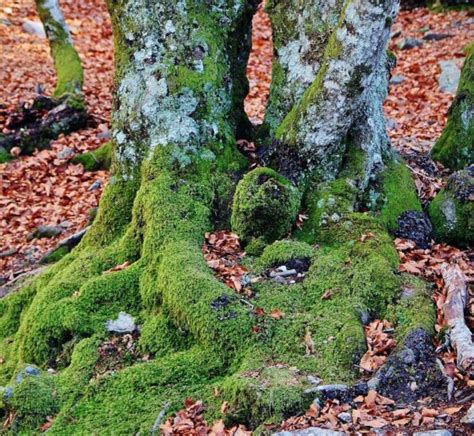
177, 174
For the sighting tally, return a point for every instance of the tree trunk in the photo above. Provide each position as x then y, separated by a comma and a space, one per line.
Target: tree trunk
180, 85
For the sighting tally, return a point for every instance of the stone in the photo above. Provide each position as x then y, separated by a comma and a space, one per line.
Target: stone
8, 252
34, 28
468, 419
123, 324
433, 433
345, 417
66, 153
416, 226
431, 36
44, 232
449, 78
409, 43
96, 185
336, 391
396, 80
7, 393
28, 371
311, 431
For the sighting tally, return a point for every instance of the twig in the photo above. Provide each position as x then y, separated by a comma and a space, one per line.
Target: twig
160, 418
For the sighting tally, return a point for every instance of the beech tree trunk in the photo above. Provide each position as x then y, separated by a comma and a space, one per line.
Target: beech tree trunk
177, 174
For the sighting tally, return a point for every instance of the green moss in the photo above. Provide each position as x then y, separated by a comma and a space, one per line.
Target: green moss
455, 147
99, 159
399, 194
453, 220
4, 155
414, 309
55, 255
265, 205
34, 399
281, 252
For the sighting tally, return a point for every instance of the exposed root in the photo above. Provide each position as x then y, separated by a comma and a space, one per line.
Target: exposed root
456, 301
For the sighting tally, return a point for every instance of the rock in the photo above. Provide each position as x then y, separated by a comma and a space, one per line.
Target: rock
104, 135
391, 124
34, 28
45, 232
6, 22
452, 210
409, 43
66, 153
336, 391
123, 324
314, 380
433, 433
345, 417
396, 80
8, 252
431, 36
96, 185
468, 419
450, 74
28, 371
311, 431
65, 224
416, 226
7, 393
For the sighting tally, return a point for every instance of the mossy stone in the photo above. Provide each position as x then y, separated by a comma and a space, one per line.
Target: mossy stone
452, 210
265, 205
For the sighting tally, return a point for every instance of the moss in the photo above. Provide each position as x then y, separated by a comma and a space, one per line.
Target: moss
4, 155
33, 400
414, 310
452, 219
99, 159
281, 252
55, 255
455, 147
399, 194
265, 205
70, 76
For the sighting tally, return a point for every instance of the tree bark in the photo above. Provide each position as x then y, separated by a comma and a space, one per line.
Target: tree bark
178, 111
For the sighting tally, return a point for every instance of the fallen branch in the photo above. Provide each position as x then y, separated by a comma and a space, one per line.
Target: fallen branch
455, 284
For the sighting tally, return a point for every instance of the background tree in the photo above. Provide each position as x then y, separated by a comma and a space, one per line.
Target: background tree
177, 174
65, 111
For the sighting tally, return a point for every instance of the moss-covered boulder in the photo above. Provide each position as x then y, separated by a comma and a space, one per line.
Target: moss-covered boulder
455, 147
452, 211
265, 205
99, 159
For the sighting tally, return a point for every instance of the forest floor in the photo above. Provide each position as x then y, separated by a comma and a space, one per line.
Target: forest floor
47, 189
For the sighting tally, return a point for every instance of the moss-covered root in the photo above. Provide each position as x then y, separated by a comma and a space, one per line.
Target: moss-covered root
452, 210
455, 147
95, 160
67, 63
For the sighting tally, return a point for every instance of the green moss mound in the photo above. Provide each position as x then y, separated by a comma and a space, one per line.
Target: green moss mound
452, 210
455, 147
265, 205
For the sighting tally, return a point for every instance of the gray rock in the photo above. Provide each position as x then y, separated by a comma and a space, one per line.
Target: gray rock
66, 153
450, 74
314, 380
8, 252
123, 324
331, 392
345, 417
391, 124
7, 393
433, 433
104, 135
396, 80
409, 43
45, 232
311, 431
28, 371
96, 185
431, 36
6, 22
34, 28
468, 419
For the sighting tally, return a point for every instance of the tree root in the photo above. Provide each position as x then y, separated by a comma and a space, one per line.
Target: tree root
454, 306
35, 126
